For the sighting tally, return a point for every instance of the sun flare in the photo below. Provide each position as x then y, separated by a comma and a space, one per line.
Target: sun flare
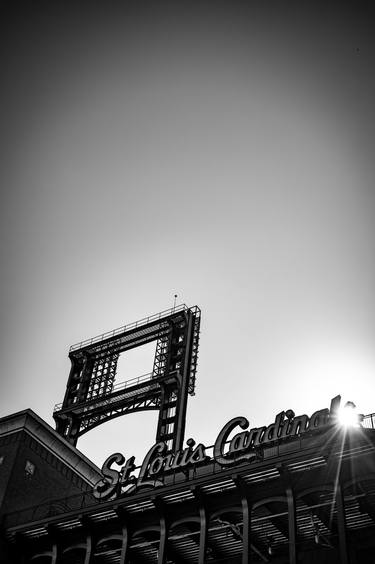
348, 415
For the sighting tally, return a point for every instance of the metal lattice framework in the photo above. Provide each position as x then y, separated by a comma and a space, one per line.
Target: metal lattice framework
93, 397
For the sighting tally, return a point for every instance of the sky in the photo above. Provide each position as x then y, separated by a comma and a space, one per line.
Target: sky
220, 151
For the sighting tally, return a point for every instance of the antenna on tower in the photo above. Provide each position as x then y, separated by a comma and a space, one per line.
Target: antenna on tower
174, 302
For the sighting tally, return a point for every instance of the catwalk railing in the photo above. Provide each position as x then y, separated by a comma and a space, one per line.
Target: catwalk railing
124, 328
149, 377
79, 502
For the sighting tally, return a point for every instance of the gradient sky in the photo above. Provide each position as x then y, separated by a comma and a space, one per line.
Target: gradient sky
220, 151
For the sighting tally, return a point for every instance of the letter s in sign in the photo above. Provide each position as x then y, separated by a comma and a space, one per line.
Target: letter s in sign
108, 485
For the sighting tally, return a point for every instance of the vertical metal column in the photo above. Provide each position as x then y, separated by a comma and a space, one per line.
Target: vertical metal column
183, 393
89, 549
292, 519
203, 524
162, 553
54, 554
246, 517
124, 545
341, 525
202, 534
292, 525
246, 535
162, 556
55, 551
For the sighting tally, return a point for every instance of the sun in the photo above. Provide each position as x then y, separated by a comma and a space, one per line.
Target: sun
348, 415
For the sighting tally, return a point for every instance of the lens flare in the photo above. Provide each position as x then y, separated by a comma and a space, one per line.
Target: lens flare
348, 415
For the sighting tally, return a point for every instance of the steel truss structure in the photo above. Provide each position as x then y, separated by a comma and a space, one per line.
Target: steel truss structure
92, 396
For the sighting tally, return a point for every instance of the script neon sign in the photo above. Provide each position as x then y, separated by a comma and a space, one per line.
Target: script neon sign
245, 446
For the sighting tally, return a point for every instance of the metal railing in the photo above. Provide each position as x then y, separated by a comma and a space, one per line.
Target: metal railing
369, 421
134, 325
116, 388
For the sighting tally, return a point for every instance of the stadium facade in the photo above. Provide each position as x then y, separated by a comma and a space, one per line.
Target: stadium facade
300, 489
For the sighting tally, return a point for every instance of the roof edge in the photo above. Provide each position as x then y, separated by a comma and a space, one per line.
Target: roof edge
29, 421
